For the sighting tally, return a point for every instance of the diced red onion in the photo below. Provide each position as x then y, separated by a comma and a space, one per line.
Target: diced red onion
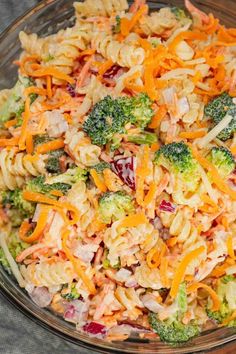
110, 73
95, 329
70, 313
131, 282
125, 169
41, 296
135, 327
183, 106
76, 311
167, 206
151, 303
71, 90
169, 95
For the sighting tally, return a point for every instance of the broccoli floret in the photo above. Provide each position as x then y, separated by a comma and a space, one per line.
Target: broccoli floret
138, 109
52, 164
143, 138
15, 246
14, 199
178, 158
99, 167
106, 119
223, 160
217, 109
41, 139
72, 295
14, 106
173, 330
116, 27
39, 185
226, 290
179, 13
114, 206
71, 176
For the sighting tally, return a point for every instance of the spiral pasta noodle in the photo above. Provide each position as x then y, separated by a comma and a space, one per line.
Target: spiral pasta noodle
45, 274
15, 166
122, 53
100, 8
129, 298
84, 152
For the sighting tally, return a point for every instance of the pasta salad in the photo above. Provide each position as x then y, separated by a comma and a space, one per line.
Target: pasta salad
117, 171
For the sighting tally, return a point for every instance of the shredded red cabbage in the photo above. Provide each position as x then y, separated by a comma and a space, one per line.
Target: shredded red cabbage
167, 206
71, 90
110, 73
95, 329
124, 168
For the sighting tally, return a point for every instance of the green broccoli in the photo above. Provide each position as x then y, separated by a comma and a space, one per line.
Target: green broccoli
72, 295
226, 290
109, 116
106, 119
14, 105
178, 159
15, 246
107, 264
172, 330
179, 13
217, 110
99, 167
71, 176
116, 27
138, 109
223, 160
143, 138
39, 185
114, 206
14, 199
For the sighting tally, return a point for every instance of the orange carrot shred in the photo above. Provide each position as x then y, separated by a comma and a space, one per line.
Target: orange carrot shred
98, 181
50, 146
215, 299
156, 120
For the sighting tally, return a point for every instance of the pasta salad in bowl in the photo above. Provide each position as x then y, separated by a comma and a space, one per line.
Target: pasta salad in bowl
117, 172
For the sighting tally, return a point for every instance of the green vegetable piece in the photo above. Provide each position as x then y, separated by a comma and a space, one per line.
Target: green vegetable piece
179, 13
101, 166
143, 138
15, 246
38, 185
14, 199
226, 290
71, 176
14, 106
114, 206
217, 109
116, 27
73, 295
178, 159
223, 160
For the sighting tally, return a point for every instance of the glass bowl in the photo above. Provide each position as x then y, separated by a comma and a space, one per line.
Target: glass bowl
46, 18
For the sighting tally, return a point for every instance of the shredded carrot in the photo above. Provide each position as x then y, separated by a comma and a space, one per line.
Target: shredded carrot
219, 182
41, 223
49, 86
150, 195
133, 220
52, 71
229, 243
153, 258
156, 120
26, 117
215, 299
29, 143
98, 181
155, 147
189, 35
37, 90
10, 123
233, 149
50, 146
229, 319
193, 135
104, 67
41, 198
87, 52
84, 73
56, 193
77, 264
163, 272
181, 269
219, 271
9, 142
127, 25
172, 241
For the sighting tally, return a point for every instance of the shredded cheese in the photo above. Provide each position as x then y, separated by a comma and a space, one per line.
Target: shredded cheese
212, 293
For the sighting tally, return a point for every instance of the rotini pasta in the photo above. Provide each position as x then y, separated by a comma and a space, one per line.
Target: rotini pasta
101, 8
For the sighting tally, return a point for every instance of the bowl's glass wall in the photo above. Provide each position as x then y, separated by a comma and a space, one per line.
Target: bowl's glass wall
47, 18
